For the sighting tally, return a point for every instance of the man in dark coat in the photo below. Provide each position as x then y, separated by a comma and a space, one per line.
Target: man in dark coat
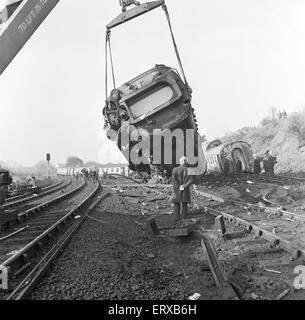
271, 163
257, 164
181, 181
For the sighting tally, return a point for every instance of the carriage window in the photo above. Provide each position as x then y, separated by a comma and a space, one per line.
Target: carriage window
151, 102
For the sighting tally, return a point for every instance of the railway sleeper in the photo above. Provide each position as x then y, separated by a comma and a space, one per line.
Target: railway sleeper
22, 268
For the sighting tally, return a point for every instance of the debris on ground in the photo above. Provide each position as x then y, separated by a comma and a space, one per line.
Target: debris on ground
195, 296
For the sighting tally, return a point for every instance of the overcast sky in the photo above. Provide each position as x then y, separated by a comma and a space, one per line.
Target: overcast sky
241, 58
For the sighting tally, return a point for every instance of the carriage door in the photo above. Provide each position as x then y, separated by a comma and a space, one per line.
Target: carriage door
238, 154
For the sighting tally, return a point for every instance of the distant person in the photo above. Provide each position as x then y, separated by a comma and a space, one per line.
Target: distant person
280, 115
181, 181
257, 164
31, 182
272, 160
266, 163
96, 175
85, 173
34, 181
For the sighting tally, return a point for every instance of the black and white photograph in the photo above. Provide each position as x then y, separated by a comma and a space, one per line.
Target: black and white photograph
152, 152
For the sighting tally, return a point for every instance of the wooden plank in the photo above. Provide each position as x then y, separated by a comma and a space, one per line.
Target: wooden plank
220, 224
210, 196
183, 228
179, 232
219, 275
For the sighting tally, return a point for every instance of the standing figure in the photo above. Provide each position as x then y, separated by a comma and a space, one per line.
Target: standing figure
266, 163
257, 164
85, 173
271, 163
127, 3
145, 177
181, 181
96, 175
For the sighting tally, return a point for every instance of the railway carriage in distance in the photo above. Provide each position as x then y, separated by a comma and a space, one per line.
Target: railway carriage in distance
223, 158
121, 169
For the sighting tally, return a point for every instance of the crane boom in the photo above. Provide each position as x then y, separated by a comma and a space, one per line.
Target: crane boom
20, 26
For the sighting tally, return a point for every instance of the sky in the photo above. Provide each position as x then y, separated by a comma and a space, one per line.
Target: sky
241, 58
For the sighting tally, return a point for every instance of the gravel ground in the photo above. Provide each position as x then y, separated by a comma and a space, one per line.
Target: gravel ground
117, 259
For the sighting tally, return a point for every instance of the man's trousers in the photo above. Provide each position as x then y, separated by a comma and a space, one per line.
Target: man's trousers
177, 207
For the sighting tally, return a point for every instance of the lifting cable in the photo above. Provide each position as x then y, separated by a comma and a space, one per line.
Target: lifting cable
108, 46
164, 7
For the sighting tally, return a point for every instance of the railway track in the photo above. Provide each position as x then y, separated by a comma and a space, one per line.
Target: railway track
21, 200
283, 228
281, 180
274, 231
276, 234
22, 253
31, 191
19, 216
266, 227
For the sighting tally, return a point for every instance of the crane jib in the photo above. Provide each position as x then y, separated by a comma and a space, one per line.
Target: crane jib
20, 27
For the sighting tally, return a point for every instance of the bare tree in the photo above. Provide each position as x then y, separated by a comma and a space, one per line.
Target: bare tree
297, 127
74, 162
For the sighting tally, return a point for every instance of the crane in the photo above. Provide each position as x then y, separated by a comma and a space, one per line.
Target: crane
18, 21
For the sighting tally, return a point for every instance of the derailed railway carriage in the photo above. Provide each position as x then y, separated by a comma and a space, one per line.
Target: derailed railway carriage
158, 99
223, 158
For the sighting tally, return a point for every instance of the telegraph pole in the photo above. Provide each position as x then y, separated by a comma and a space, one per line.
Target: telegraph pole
2, 195
48, 159
5, 180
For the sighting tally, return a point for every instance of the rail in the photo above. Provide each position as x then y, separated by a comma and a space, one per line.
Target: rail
33, 278
50, 190
21, 260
